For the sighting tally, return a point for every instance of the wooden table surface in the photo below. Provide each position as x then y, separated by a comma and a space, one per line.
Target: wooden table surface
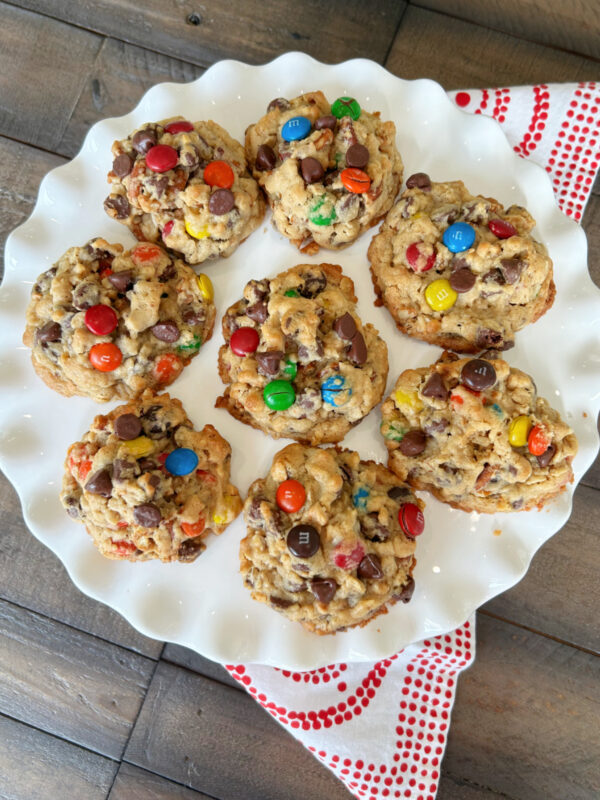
91, 709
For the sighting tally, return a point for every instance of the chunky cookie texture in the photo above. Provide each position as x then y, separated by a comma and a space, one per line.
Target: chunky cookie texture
475, 434
147, 485
459, 270
329, 171
186, 185
297, 359
107, 324
331, 538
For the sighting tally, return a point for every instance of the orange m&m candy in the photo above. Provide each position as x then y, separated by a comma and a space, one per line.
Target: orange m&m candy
167, 367
105, 356
355, 180
145, 252
193, 528
290, 496
537, 441
219, 173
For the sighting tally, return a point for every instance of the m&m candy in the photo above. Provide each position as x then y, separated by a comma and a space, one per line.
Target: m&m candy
345, 107
440, 295
502, 229
279, 395
105, 356
181, 461
290, 496
419, 258
303, 541
518, 431
290, 370
459, 237
323, 211
537, 441
359, 498
205, 287
244, 341
295, 129
411, 519
355, 180
193, 528
179, 126
335, 391
291, 293
219, 173
198, 232
100, 319
140, 447
161, 158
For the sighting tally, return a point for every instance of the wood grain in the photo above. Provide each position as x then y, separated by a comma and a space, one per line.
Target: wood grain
201, 33
220, 741
36, 766
40, 583
68, 683
525, 720
133, 783
573, 26
183, 657
469, 56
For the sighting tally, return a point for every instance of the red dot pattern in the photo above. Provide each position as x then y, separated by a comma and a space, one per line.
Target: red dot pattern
483, 103
501, 102
539, 117
415, 706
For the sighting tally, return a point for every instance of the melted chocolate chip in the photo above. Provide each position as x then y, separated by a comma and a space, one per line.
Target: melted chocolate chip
324, 589
478, 375
326, 122
413, 443
122, 165
436, 427
221, 202
193, 318
547, 456
303, 541
127, 427
117, 203
357, 352
370, 567
143, 140
511, 269
279, 102
190, 549
357, 156
268, 362
258, 312
435, 387
122, 281
398, 492
85, 295
124, 470
345, 326
50, 332
280, 602
166, 331
312, 286
420, 180
486, 337
494, 276
147, 515
407, 591
100, 483
168, 273
462, 280
265, 158
311, 170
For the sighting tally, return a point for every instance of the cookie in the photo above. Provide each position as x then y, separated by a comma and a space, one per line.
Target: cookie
331, 538
297, 360
147, 485
107, 324
329, 171
474, 433
186, 185
459, 270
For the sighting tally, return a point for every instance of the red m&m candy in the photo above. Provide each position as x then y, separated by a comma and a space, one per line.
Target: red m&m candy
161, 158
411, 519
168, 228
502, 229
418, 258
100, 320
219, 173
244, 341
290, 496
179, 126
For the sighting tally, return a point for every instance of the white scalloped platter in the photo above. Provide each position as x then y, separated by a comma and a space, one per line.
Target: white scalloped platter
204, 606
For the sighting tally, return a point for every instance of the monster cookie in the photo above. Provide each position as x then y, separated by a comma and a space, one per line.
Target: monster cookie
298, 360
185, 184
331, 538
457, 270
109, 324
147, 485
330, 172
475, 433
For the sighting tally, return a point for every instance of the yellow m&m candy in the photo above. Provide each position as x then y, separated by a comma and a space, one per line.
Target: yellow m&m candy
410, 399
440, 295
205, 286
140, 447
518, 431
197, 233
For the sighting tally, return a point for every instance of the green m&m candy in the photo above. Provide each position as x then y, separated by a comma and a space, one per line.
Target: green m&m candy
192, 346
279, 395
345, 107
291, 293
323, 211
290, 370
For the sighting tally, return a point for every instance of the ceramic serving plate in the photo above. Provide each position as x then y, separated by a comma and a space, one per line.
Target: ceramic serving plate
462, 561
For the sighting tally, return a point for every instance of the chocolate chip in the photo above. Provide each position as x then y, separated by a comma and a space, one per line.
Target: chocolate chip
370, 567
147, 515
303, 541
486, 337
313, 285
345, 326
279, 102
547, 456
190, 549
462, 280
127, 427
124, 470
407, 591
311, 170
221, 202
413, 443
122, 165
122, 281
511, 269
143, 140
494, 276
258, 312
398, 492
166, 331
436, 427
117, 203
268, 363
328, 121
168, 273
193, 318
50, 332
100, 483
478, 375
154, 481
420, 180
85, 295
161, 185
357, 352
357, 156
265, 158
280, 602
73, 506
324, 589
435, 387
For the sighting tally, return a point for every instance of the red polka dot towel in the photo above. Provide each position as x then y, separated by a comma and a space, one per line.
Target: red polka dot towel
382, 727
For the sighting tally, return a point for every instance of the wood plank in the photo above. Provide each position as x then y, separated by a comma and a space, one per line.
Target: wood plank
183, 657
68, 683
217, 740
31, 576
560, 594
573, 26
468, 56
36, 766
526, 717
133, 783
202, 33
451, 787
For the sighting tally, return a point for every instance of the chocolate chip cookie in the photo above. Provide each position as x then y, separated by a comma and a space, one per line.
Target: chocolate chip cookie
186, 185
107, 324
147, 485
459, 270
297, 359
329, 171
331, 538
474, 433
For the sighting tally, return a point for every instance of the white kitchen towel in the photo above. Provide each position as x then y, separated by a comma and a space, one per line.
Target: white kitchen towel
382, 727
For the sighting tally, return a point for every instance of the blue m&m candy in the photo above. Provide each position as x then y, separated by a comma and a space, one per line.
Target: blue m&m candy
359, 498
459, 237
296, 128
335, 391
181, 461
